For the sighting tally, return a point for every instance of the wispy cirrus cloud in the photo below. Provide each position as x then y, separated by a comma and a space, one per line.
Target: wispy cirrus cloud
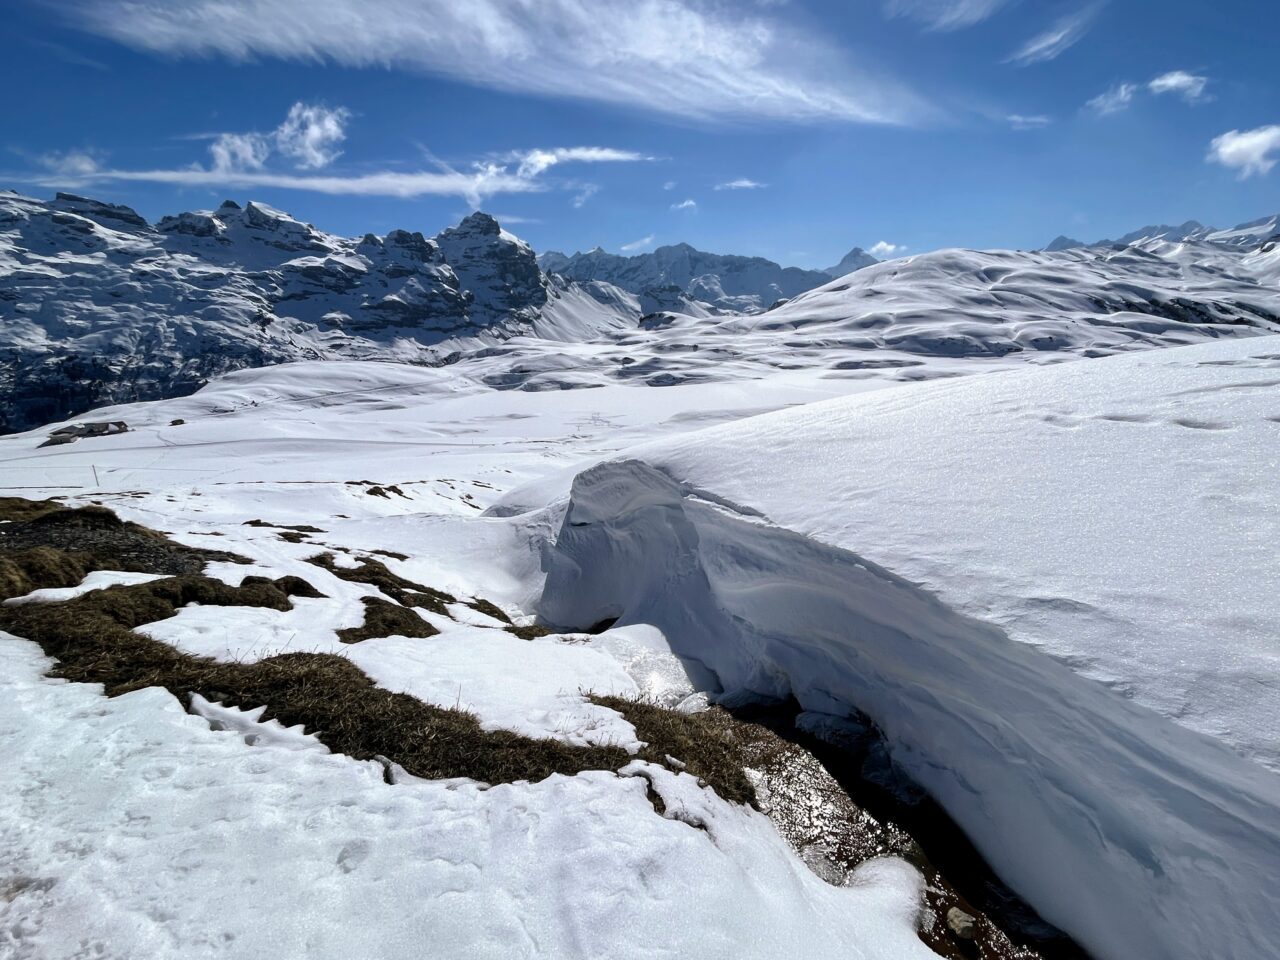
688, 58
472, 185
309, 137
534, 162
1189, 86
944, 14
1113, 100
1064, 34
585, 192
742, 183
1249, 152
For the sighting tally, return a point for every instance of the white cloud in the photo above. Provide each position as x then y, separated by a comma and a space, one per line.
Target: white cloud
741, 184
70, 164
1186, 85
685, 205
534, 162
1248, 151
885, 249
1114, 100
311, 133
669, 185
638, 244
1020, 122
944, 14
473, 185
1055, 41
686, 58
239, 151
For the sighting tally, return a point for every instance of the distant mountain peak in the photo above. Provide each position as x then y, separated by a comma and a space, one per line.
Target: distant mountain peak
855, 259
1192, 231
719, 282
479, 222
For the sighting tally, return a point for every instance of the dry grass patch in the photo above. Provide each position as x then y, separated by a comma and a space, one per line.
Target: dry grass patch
382, 618
375, 574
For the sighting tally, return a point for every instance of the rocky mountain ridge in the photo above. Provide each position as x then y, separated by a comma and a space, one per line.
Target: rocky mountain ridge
726, 283
1246, 234
99, 306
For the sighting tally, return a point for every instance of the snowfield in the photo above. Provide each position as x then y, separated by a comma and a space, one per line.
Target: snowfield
1054, 590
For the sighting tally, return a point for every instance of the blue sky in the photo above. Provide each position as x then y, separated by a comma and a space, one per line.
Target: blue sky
792, 129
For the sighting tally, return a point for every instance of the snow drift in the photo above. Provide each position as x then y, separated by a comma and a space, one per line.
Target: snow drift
1053, 590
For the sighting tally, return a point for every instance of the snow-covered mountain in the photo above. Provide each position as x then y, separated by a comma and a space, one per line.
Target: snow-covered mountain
98, 305
727, 283
1246, 234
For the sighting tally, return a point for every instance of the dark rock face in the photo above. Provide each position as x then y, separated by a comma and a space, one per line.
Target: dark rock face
113, 215
500, 270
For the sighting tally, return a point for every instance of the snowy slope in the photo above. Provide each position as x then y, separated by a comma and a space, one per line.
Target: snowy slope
1054, 589
301, 443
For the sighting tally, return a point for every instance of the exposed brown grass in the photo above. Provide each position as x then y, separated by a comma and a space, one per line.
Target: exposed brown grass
92, 637
375, 574
711, 744
530, 632
382, 618
25, 570
489, 610
19, 509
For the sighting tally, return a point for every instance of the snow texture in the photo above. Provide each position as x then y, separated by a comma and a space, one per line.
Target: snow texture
162, 837
1053, 590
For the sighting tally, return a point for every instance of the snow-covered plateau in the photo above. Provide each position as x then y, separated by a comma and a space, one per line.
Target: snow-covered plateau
1018, 510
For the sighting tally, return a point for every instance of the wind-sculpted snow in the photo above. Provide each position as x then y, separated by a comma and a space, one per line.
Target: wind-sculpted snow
1054, 590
